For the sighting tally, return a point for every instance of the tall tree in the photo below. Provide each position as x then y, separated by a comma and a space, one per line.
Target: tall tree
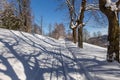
50, 30
76, 19
59, 31
86, 35
81, 25
8, 18
25, 14
37, 29
71, 8
94, 34
111, 9
41, 25
99, 34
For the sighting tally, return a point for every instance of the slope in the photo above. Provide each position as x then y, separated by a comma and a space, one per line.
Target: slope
26, 56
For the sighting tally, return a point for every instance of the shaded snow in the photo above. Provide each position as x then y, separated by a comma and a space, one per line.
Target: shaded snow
26, 56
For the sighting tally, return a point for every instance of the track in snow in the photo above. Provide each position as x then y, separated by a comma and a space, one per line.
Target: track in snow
86, 75
74, 71
66, 67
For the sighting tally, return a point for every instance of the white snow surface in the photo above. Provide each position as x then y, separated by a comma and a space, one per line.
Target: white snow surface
112, 5
26, 56
74, 25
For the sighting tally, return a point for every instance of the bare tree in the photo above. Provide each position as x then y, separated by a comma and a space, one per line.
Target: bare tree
81, 25
37, 29
50, 30
94, 34
59, 31
76, 20
86, 35
69, 35
99, 34
111, 9
71, 8
41, 25
25, 14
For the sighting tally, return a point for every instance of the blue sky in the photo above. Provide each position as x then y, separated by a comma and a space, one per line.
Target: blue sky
47, 9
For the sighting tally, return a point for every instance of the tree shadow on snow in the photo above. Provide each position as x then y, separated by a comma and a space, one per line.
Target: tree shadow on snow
35, 71
95, 64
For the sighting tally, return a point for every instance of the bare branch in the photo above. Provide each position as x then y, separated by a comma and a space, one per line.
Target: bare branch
92, 7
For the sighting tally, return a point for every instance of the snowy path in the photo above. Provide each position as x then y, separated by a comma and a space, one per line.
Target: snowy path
69, 67
92, 60
26, 56
86, 75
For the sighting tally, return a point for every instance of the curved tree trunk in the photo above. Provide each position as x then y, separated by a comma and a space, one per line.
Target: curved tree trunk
113, 31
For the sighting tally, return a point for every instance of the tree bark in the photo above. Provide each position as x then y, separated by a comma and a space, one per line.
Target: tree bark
80, 26
80, 37
113, 31
113, 37
74, 35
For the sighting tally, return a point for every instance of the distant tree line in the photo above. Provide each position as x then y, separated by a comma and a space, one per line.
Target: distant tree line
58, 31
16, 15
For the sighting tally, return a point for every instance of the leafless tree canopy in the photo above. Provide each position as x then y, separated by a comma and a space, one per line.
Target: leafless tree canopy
59, 31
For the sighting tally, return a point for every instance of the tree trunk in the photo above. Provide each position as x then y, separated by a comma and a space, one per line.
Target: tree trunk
113, 31
80, 37
74, 35
113, 37
25, 14
80, 22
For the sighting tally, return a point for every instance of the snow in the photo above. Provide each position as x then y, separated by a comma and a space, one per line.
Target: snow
111, 4
26, 56
74, 25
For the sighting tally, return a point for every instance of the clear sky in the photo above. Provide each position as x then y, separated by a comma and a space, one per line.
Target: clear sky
47, 9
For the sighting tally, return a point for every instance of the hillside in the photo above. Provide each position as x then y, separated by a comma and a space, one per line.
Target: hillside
26, 56
100, 41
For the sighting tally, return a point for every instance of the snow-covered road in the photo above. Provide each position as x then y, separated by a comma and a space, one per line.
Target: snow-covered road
26, 56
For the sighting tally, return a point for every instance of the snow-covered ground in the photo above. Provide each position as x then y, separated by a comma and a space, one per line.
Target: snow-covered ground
26, 56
